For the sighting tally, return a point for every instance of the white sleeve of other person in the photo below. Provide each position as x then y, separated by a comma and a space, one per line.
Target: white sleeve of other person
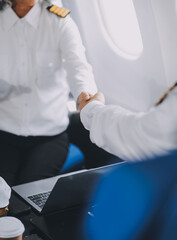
130, 135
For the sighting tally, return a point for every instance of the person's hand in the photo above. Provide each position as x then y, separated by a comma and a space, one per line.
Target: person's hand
85, 99
82, 99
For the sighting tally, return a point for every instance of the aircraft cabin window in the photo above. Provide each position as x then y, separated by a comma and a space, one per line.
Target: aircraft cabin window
122, 28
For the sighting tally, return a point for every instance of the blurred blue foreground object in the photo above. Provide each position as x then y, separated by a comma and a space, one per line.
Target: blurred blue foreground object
136, 201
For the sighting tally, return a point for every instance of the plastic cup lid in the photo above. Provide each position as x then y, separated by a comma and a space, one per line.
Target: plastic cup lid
10, 227
5, 192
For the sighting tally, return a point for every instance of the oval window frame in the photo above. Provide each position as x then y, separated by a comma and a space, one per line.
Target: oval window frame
108, 36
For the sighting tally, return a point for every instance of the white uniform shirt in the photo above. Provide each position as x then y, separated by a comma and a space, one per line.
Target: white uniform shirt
130, 135
34, 51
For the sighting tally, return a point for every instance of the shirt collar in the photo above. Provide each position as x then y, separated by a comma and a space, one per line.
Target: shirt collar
32, 17
9, 17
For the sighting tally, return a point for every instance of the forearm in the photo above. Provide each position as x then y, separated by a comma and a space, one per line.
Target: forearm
110, 129
131, 136
79, 72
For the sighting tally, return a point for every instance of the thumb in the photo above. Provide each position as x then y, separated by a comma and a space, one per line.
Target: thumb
84, 96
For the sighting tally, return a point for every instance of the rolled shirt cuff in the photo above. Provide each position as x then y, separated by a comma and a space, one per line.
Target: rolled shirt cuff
78, 91
88, 112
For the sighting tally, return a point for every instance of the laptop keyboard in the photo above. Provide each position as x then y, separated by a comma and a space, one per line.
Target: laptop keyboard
40, 199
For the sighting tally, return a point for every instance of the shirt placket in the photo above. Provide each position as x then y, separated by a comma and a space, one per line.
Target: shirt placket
24, 78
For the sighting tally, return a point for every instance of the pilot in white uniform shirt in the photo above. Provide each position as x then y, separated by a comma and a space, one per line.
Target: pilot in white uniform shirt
129, 135
38, 52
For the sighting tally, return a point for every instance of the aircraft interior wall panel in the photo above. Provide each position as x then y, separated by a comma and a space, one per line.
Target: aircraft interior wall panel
165, 12
57, 2
135, 84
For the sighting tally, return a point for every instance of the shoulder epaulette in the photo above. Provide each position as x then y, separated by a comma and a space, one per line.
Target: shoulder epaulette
166, 93
61, 12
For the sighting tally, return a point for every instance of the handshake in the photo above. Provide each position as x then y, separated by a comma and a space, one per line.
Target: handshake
85, 97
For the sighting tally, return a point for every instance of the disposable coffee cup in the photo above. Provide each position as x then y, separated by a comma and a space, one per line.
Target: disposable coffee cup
11, 228
5, 192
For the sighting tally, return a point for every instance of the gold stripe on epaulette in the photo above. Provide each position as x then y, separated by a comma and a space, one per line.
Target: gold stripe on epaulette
166, 93
61, 12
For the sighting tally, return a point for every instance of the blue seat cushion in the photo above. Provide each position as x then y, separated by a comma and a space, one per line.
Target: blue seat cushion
74, 160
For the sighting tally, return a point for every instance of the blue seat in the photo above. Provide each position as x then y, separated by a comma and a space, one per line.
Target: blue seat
74, 160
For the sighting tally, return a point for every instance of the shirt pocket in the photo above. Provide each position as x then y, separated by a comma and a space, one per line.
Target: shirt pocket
3, 66
47, 63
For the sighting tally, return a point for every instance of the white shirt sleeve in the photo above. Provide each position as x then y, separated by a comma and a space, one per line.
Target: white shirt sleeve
130, 135
79, 72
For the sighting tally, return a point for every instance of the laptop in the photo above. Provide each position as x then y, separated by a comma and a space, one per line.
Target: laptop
63, 191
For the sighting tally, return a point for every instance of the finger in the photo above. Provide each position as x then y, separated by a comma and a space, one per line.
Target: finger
84, 96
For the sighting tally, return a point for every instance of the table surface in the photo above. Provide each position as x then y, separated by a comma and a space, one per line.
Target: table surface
67, 223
